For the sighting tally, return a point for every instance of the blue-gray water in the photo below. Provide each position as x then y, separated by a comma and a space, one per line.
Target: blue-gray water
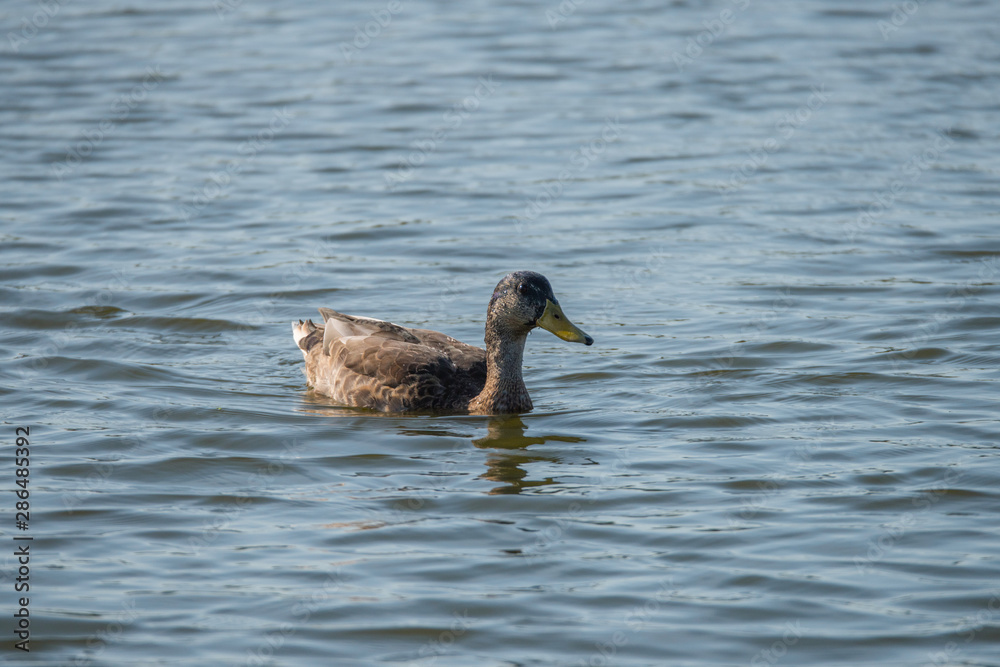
777, 219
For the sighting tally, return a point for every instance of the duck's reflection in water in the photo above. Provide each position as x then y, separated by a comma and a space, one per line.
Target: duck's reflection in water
507, 433
505, 436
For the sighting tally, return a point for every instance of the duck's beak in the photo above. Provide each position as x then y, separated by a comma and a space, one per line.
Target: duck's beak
554, 320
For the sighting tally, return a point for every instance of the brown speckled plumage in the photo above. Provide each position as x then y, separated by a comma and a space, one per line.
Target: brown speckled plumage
367, 363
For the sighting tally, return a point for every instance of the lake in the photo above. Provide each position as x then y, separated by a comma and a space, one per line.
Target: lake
779, 222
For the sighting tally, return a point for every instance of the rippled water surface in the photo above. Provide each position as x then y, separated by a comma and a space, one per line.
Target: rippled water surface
777, 219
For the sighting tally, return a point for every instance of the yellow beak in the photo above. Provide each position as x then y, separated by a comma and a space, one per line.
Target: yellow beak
554, 320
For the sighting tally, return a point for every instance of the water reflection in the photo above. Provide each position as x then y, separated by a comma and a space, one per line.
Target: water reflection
507, 433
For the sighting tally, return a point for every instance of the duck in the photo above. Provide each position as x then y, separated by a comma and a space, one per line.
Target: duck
362, 362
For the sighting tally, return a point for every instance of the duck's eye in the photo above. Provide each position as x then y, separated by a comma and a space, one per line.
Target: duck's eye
522, 289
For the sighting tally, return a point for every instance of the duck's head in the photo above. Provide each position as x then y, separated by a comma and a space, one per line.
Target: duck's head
524, 300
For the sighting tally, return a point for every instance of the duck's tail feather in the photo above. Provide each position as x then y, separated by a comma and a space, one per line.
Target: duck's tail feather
302, 333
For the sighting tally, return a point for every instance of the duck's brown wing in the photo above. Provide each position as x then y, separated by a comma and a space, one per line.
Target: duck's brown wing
467, 358
369, 363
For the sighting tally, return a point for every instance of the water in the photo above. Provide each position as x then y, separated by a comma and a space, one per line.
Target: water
778, 221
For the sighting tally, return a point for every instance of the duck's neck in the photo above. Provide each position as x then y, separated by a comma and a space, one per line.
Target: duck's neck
504, 391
